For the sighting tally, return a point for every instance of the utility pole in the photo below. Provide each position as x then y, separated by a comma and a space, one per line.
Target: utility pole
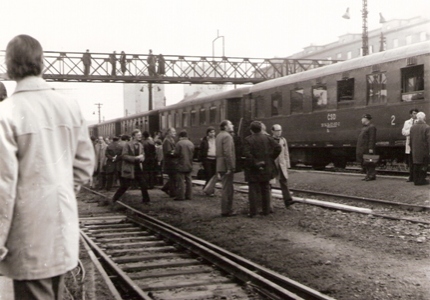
99, 107
365, 35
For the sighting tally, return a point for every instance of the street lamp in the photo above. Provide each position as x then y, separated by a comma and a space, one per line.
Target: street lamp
365, 34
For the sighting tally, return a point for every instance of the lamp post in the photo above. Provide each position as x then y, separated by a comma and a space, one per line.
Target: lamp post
365, 34
99, 107
213, 46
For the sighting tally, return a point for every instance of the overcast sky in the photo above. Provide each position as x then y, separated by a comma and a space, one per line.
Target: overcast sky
251, 28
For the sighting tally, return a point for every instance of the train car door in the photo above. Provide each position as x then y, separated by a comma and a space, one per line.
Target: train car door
234, 111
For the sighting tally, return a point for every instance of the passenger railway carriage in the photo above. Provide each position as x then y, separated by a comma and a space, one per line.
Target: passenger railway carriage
320, 110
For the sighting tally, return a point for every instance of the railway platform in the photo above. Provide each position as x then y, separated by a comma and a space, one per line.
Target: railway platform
6, 288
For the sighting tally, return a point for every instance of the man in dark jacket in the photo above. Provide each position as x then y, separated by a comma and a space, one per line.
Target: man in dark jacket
260, 150
113, 162
169, 162
150, 163
132, 158
420, 147
366, 143
184, 151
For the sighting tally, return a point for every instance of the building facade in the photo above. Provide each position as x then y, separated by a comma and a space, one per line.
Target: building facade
392, 34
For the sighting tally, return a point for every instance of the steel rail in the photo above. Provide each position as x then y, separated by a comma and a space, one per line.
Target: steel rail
121, 274
240, 267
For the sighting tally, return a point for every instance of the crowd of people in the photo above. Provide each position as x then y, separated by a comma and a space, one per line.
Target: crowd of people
47, 155
155, 64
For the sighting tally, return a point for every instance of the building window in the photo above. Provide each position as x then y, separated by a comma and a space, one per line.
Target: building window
376, 89
276, 103
202, 116
193, 118
423, 36
395, 43
345, 90
212, 114
319, 97
296, 100
413, 83
409, 40
163, 121
370, 49
184, 119
339, 55
349, 55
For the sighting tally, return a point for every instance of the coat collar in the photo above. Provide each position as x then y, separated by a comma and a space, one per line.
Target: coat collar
31, 83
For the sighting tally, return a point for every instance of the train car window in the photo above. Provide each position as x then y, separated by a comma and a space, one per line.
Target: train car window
164, 120
171, 123
376, 88
202, 116
345, 90
319, 97
185, 119
296, 103
178, 120
193, 118
276, 103
413, 83
212, 115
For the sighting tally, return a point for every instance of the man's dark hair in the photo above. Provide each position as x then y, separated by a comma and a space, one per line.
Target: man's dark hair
125, 137
183, 133
115, 139
209, 129
414, 110
134, 132
255, 127
145, 134
223, 124
24, 57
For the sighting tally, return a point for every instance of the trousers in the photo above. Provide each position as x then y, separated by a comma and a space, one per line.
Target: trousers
39, 289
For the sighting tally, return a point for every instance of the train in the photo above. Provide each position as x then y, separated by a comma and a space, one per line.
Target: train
319, 110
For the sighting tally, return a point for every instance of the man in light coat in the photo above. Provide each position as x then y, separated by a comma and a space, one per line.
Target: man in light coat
225, 166
184, 151
282, 163
406, 130
46, 155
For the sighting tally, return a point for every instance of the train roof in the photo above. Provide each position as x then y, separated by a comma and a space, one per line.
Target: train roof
356, 63
235, 93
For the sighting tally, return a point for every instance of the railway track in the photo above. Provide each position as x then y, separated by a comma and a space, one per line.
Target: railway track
148, 259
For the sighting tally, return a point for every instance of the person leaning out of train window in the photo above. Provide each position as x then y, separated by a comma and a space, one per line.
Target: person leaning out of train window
169, 162
184, 151
99, 171
113, 162
366, 144
406, 132
420, 147
207, 154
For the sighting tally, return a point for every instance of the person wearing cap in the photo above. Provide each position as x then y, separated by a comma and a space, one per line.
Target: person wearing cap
420, 147
366, 143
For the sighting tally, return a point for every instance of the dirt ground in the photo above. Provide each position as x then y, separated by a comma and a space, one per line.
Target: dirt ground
343, 255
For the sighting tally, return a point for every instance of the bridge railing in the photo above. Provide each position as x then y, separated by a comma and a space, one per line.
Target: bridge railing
68, 66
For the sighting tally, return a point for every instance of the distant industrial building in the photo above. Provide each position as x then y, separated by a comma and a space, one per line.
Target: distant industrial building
137, 97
